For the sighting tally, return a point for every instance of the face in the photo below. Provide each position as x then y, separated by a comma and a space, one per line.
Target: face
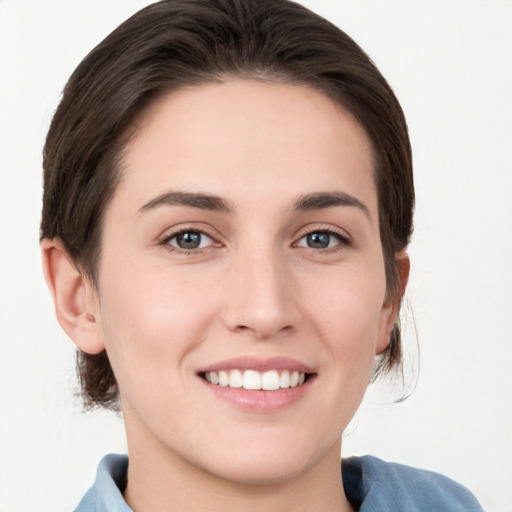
241, 251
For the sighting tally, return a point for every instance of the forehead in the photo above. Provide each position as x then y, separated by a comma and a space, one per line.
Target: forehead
241, 138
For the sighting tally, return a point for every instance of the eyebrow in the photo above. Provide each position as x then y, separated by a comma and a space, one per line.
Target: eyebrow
321, 200
211, 202
193, 199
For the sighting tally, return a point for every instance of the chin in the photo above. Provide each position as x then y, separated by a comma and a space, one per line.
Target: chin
270, 471
263, 462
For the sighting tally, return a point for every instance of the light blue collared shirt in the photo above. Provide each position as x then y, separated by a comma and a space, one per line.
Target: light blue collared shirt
370, 484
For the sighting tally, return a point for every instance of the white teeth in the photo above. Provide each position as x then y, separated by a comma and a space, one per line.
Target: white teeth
254, 380
270, 381
284, 380
223, 379
236, 379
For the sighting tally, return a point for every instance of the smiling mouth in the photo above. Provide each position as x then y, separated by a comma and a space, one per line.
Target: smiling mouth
270, 380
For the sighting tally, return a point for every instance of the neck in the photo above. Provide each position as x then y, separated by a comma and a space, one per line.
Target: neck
159, 479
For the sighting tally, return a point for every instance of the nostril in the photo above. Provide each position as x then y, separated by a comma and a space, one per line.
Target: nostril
264, 332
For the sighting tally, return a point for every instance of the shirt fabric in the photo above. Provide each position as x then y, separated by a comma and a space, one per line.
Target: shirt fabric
370, 484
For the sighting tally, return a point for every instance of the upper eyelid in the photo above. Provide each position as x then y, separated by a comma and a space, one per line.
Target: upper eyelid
326, 229
173, 232
344, 239
165, 242
177, 233
306, 230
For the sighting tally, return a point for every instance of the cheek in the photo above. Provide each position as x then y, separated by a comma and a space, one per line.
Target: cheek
151, 321
154, 301
346, 313
348, 303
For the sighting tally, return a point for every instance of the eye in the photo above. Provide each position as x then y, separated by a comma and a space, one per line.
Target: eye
322, 240
189, 240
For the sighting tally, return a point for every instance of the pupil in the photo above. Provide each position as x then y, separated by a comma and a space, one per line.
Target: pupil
189, 240
318, 240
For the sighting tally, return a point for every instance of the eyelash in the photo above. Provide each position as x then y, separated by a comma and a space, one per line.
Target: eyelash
343, 239
167, 239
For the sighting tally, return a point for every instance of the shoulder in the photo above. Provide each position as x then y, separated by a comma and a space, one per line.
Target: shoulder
370, 483
376, 485
106, 493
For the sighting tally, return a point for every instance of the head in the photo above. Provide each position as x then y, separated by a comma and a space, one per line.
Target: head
182, 47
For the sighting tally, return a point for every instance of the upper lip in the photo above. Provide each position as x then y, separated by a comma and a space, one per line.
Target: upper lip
259, 364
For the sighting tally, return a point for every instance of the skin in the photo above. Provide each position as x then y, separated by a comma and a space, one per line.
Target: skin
254, 288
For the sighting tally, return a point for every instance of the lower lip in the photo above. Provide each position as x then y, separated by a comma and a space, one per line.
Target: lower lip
259, 400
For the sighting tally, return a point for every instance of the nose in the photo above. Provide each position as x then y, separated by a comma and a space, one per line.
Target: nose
260, 296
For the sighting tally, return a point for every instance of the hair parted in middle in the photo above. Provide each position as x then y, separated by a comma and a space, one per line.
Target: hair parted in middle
174, 44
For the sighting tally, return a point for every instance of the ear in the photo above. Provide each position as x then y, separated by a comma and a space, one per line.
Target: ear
391, 305
75, 299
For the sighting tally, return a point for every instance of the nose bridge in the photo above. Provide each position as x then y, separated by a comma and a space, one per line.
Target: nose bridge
260, 301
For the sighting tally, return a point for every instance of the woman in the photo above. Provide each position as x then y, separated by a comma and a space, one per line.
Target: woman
228, 202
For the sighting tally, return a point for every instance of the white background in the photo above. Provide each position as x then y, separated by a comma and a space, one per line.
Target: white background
450, 63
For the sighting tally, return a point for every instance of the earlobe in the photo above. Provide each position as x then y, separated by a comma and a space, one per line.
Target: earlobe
73, 297
391, 307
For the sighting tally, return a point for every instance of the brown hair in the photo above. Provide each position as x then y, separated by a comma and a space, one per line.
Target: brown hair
175, 43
